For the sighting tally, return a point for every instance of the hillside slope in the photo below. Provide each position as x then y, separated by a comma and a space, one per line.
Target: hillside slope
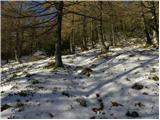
120, 84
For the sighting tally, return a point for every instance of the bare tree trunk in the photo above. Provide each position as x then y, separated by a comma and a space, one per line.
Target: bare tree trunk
113, 37
104, 47
84, 34
19, 37
17, 48
72, 41
92, 38
148, 41
112, 24
33, 41
155, 21
58, 55
155, 42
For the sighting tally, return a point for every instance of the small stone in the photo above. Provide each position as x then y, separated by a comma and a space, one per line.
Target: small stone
82, 102
115, 104
132, 114
97, 95
144, 93
93, 117
51, 115
139, 104
137, 86
65, 94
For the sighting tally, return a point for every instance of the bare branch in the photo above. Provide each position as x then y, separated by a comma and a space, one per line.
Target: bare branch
29, 16
81, 14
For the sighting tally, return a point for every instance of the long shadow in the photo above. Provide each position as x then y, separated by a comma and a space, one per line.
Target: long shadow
78, 92
41, 97
145, 52
105, 60
103, 83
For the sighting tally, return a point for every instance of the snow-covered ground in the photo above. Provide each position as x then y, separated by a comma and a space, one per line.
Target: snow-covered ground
122, 83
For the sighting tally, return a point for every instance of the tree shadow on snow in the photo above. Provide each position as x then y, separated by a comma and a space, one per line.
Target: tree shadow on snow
91, 89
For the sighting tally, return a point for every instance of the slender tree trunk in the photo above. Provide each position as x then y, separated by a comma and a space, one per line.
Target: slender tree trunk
58, 55
72, 41
104, 47
33, 41
112, 25
92, 35
148, 39
84, 34
155, 21
17, 48
19, 37
92, 38
113, 37
155, 39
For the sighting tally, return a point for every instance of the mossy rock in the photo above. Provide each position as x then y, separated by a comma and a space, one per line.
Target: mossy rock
28, 75
115, 104
155, 78
139, 104
14, 75
51, 115
153, 70
5, 106
19, 104
136, 72
137, 86
131, 55
128, 79
56, 89
145, 93
65, 93
82, 101
93, 117
23, 93
86, 71
35, 82
132, 114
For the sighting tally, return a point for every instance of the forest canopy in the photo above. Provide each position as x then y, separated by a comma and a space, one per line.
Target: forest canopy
28, 26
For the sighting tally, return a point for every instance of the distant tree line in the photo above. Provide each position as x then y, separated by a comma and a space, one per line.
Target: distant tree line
59, 27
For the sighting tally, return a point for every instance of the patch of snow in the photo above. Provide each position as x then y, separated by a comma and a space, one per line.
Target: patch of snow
112, 77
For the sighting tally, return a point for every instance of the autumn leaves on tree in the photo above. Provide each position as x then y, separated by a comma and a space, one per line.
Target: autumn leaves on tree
59, 27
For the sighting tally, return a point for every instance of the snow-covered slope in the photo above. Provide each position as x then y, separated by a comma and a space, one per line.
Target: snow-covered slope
122, 83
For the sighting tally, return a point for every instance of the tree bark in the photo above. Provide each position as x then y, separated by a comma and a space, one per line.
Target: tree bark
84, 34
148, 39
17, 48
104, 47
72, 41
155, 21
92, 38
58, 55
113, 37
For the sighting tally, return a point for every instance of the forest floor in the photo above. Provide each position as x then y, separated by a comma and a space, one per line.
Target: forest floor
122, 83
